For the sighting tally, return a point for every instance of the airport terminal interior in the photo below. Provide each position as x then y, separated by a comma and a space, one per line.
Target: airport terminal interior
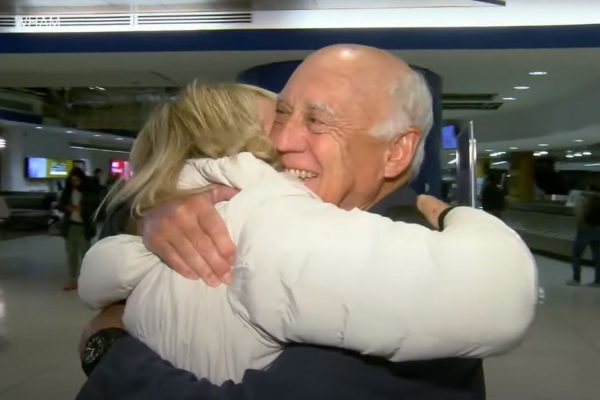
516, 99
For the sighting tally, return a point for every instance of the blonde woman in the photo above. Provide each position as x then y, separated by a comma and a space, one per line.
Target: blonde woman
300, 268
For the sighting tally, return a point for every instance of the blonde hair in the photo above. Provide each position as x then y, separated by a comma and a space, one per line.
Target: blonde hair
204, 121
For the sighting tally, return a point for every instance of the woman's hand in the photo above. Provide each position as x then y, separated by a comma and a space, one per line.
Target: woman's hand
431, 208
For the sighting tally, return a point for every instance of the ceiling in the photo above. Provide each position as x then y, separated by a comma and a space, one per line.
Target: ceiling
558, 108
570, 71
41, 6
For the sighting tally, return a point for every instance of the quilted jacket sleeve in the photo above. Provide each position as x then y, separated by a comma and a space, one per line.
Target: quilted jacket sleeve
112, 268
310, 272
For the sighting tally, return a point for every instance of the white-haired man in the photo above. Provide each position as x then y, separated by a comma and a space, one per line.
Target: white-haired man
351, 123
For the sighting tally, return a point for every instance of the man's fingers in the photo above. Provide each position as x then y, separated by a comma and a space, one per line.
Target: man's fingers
172, 258
222, 193
195, 260
214, 227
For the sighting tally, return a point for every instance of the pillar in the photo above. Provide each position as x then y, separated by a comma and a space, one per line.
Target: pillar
521, 184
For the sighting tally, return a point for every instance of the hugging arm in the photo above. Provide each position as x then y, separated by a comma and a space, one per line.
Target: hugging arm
309, 272
112, 268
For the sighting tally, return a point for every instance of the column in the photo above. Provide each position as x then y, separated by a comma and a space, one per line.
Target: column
521, 184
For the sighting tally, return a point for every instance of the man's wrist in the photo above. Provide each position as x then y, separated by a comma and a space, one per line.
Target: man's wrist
97, 345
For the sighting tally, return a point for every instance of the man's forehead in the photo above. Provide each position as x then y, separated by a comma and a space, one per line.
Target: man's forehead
317, 105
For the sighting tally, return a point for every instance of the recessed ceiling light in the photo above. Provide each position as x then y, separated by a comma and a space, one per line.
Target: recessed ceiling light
536, 154
543, 144
513, 148
538, 73
69, 131
119, 138
587, 153
569, 156
543, 153
38, 127
96, 135
521, 87
488, 150
578, 155
578, 140
509, 98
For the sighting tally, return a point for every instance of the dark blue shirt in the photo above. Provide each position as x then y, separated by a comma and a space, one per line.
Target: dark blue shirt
130, 370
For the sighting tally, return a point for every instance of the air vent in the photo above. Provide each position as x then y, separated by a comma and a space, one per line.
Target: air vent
194, 18
7, 21
472, 105
95, 20
469, 96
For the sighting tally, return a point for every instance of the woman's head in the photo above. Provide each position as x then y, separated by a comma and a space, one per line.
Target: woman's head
204, 121
76, 178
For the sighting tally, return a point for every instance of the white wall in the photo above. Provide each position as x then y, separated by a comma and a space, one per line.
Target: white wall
26, 141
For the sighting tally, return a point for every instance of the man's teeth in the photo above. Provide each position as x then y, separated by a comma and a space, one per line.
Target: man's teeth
302, 174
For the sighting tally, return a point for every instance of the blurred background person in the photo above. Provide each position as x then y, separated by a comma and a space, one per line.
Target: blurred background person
78, 201
492, 195
95, 178
587, 216
4, 211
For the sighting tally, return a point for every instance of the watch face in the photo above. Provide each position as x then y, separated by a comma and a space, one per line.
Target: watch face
93, 349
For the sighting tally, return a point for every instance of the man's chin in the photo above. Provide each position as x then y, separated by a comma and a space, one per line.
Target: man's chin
312, 184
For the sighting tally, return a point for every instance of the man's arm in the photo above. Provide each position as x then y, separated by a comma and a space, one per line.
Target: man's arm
130, 370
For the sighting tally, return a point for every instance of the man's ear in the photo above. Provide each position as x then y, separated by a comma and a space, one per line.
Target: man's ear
400, 153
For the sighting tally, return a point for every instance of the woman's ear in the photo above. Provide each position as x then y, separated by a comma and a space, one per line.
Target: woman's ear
400, 153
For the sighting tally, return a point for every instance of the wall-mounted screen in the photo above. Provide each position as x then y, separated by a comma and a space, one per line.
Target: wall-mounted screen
47, 168
119, 168
59, 168
449, 137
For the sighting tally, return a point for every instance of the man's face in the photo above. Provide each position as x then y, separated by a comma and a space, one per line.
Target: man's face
322, 130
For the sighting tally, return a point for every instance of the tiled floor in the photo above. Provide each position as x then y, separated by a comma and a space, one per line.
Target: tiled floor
560, 360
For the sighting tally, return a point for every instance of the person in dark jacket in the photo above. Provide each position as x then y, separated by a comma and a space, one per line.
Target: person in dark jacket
492, 195
78, 202
587, 216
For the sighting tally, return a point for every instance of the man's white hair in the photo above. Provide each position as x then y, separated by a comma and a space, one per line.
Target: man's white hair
411, 106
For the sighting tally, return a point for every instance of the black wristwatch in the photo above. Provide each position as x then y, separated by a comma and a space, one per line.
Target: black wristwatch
97, 346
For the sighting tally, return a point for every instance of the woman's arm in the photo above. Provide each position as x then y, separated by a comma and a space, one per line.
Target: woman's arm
112, 268
310, 272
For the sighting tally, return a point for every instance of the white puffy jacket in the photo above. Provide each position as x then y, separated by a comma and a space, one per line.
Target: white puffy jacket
307, 271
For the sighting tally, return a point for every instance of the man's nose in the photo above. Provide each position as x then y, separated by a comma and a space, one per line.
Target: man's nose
288, 136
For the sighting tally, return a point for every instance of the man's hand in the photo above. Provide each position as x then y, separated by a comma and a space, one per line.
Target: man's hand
110, 317
431, 208
190, 236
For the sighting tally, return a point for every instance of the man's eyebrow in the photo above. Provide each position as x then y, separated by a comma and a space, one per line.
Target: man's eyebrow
283, 103
323, 107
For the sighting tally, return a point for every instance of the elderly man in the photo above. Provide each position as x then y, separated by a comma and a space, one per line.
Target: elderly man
350, 123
